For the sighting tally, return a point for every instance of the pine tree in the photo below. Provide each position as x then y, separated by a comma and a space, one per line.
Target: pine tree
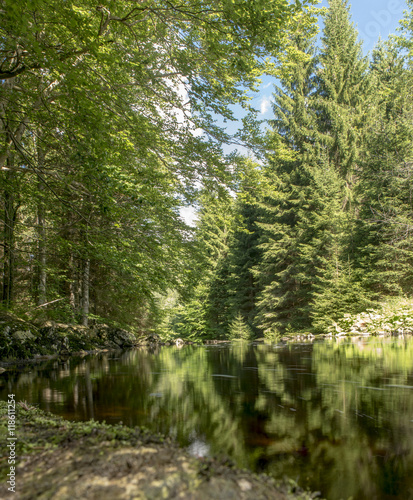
244, 254
343, 108
385, 237
293, 240
204, 313
239, 330
342, 88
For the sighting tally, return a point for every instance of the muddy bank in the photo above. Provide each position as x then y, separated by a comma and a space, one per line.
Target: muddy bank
58, 459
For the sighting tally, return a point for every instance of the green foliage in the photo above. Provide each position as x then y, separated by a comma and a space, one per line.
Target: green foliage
339, 291
296, 208
309, 270
383, 234
342, 88
242, 287
203, 314
392, 318
239, 330
322, 228
99, 143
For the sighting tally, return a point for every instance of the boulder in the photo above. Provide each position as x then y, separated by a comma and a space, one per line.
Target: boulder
23, 336
121, 338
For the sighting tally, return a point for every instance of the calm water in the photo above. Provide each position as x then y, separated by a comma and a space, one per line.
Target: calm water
335, 416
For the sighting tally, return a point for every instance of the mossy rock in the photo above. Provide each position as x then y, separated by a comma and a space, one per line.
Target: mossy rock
18, 339
21, 340
79, 340
54, 338
23, 336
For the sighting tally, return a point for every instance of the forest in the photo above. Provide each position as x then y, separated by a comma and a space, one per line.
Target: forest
113, 117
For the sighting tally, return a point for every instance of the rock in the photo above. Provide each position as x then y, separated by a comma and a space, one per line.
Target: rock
122, 338
23, 336
179, 342
2, 370
22, 340
244, 484
153, 338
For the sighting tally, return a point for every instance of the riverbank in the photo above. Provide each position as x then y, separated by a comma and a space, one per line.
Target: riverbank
59, 459
23, 341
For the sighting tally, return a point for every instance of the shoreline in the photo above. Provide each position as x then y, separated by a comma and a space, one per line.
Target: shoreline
60, 459
23, 342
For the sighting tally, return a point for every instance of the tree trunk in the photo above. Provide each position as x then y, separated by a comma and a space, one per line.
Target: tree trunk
10, 214
85, 298
41, 247
72, 284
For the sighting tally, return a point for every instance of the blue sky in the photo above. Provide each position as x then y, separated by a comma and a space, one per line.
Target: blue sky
373, 19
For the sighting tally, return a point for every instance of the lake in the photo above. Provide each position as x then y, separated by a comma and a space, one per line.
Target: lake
336, 416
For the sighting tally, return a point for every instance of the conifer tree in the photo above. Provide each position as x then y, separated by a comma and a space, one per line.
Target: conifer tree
242, 286
244, 255
385, 239
342, 87
342, 104
295, 209
239, 330
204, 313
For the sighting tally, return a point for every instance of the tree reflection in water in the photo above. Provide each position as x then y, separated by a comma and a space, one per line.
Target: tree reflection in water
337, 416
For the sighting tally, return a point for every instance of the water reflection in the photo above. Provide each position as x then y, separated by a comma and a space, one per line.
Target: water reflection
337, 416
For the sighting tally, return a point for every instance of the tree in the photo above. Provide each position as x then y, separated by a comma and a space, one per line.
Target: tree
342, 89
297, 198
204, 314
100, 108
384, 231
343, 108
239, 330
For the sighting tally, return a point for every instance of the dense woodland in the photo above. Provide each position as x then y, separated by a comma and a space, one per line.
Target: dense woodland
108, 125
322, 225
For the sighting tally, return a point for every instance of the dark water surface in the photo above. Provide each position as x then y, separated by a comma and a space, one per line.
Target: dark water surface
335, 416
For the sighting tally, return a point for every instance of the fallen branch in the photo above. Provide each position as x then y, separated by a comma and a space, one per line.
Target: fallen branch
47, 303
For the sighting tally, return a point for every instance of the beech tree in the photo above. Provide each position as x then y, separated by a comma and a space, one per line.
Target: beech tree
107, 124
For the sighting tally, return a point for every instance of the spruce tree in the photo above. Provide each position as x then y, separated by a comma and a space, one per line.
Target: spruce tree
343, 97
244, 254
204, 313
385, 239
239, 330
234, 288
295, 208
342, 87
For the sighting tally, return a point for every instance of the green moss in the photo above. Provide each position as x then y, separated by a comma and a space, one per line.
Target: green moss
38, 431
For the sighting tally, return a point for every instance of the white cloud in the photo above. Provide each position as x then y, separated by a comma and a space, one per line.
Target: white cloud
265, 104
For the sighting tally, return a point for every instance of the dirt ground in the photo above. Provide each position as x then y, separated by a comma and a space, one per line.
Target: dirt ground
63, 460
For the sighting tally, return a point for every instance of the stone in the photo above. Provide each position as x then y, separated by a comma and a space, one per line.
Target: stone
23, 336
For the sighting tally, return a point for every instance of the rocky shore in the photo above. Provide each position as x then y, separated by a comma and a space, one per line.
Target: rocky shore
60, 460
23, 341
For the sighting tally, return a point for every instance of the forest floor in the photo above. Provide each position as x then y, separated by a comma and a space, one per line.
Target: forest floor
58, 459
